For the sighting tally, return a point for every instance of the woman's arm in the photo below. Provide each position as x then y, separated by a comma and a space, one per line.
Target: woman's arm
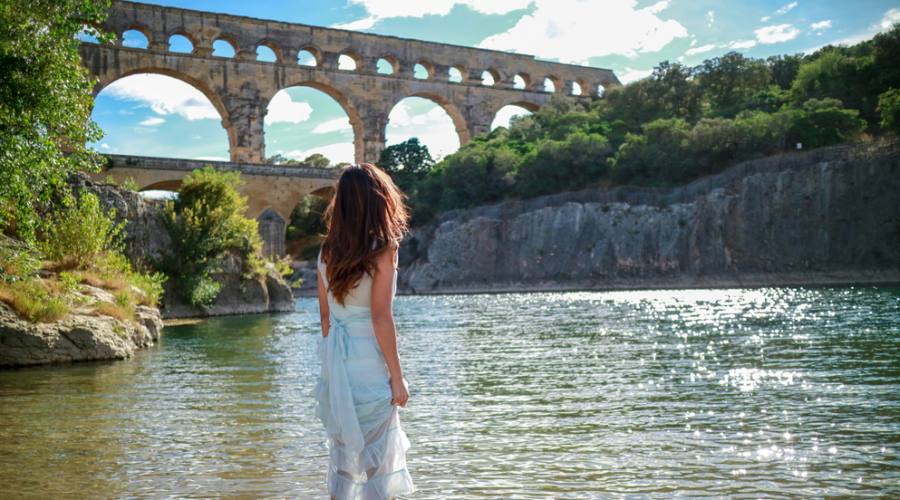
323, 304
383, 320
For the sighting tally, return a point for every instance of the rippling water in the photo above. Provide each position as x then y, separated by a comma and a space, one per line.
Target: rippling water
764, 392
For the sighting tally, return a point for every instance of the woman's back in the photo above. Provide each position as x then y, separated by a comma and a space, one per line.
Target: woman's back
360, 295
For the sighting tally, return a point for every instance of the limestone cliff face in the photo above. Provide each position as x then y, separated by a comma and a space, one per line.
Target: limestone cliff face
824, 216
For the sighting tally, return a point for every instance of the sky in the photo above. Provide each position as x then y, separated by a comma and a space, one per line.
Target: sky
155, 115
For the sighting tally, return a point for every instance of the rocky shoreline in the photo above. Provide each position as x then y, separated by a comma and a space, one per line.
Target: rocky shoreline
83, 335
817, 218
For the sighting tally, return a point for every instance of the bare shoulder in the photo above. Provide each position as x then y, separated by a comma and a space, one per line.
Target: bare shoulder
387, 258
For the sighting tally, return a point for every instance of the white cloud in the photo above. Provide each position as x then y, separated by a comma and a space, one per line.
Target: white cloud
821, 25
336, 125
164, 95
890, 17
576, 30
780, 12
434, 128
383, 9
360, 24
776, 33
104, 146
152, 121
710, 18
338, 153
629, 75
785, 9
212, 158
506, 113
699, 50
742, 44
282, 109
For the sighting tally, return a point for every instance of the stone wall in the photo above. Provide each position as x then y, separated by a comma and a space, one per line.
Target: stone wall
817, 217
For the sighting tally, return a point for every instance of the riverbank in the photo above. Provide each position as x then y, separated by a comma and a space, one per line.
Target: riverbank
148, 240
92, 331
820, 218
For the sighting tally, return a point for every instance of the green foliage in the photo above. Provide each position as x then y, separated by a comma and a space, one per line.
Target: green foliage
728, 82
407, 163
307, 218
78, 233
889, 108
784, 69
673, 126
130, 184
205, 222
669, 92
821, 122
18, 259
574, 162
280, 159
45, 105
317, 160
314, 160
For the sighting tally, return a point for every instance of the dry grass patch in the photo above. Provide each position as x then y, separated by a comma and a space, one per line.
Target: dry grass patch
32, 301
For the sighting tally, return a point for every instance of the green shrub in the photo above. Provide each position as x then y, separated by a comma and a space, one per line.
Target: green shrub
205, 222
18, 259
76, 235
889, 108
822, 122
307, 218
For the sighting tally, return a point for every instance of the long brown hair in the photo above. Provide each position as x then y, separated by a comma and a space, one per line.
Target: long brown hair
366, 214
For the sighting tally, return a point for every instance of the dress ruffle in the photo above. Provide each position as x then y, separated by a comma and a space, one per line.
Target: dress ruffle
367, 445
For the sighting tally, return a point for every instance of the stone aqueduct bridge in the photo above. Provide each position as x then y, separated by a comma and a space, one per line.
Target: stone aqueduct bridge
240, 88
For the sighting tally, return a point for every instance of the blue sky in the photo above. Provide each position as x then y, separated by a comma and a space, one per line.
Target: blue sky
159, 116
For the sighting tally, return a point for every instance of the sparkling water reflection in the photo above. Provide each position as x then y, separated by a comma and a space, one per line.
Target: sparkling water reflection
764, 392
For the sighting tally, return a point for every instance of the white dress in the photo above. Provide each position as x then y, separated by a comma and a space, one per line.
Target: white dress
367, 445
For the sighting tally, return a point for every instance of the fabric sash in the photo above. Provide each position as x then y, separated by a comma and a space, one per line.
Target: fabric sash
336, 409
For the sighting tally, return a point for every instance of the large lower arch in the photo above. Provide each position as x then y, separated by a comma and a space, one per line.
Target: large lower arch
356, 123
107, 79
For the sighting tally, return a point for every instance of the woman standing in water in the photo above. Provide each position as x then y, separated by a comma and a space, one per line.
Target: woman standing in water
361, 385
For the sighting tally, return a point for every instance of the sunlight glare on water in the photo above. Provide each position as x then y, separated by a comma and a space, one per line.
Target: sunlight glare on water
756, 392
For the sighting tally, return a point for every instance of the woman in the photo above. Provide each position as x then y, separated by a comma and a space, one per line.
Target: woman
361, 386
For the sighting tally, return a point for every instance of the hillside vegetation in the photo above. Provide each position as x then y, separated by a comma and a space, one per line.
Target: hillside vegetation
678, 124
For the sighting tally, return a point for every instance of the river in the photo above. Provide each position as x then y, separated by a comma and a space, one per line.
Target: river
757, 392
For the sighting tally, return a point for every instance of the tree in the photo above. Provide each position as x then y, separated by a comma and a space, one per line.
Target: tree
407, 163
784, 69
729, 81
822, 122
667, 93
307, 218
280, 159
45, 105
204, 222
889, 107
317, 160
